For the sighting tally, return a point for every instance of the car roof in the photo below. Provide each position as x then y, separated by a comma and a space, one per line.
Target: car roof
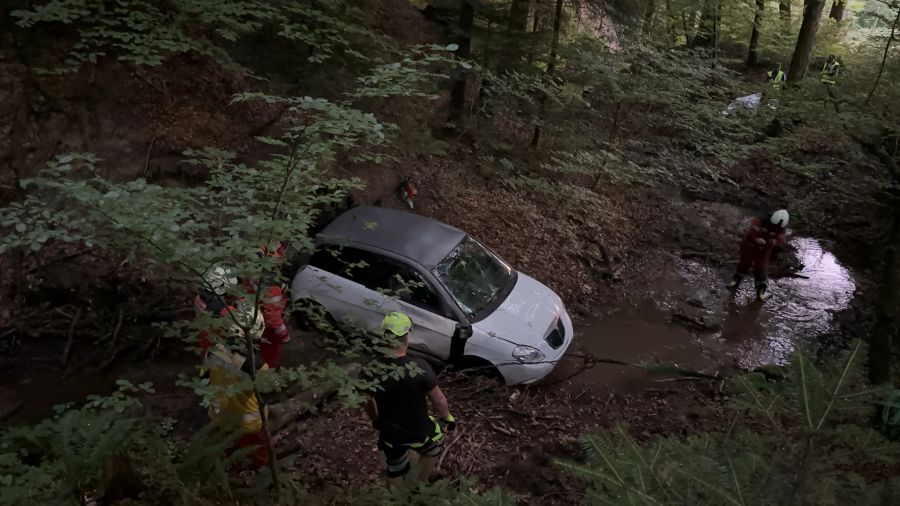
416, 237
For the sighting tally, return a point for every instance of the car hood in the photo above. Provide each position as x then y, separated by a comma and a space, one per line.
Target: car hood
526, 315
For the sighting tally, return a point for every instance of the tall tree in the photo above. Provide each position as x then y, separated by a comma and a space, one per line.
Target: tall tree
806, 39
885, 334
753, 53
837, 10
784, 12
551, 65
464, 41
887, 51
706, 29
648, 16
518, 16
784, 8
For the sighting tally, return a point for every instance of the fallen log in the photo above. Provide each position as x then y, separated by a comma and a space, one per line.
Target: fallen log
305, 402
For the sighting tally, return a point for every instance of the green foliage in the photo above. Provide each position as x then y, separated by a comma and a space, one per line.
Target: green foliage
146, 33
890, 413
183, 232
87, 453
407, 77
59, 460
803, 442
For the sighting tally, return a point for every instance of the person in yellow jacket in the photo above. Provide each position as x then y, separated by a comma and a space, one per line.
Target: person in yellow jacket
830, 71
777, 77
236, 407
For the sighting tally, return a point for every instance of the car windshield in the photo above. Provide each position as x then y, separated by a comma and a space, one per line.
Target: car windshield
475, 277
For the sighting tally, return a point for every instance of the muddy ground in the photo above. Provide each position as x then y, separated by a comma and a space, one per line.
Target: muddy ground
664, 303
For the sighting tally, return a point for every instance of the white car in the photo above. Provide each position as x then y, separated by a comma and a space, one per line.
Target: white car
467, 305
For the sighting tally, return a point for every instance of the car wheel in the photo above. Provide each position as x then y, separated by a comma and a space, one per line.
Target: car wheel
479, 366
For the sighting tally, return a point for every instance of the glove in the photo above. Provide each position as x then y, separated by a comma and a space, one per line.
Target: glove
449, 423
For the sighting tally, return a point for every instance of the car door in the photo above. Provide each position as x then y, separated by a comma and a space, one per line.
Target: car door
345, 280
433, 325
358, 287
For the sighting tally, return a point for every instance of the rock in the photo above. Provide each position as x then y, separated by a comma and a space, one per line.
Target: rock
581, 309
696, 303
694, 320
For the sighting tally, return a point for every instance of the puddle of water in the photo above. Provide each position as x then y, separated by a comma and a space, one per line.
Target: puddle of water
638, 335
749, 334
798, 311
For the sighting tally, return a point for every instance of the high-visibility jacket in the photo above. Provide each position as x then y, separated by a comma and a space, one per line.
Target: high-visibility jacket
830, 72
777, 80
236, 406
272, 304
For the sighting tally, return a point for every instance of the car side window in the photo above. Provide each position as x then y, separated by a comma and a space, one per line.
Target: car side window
368, 269
410, 287
328, 259
378, 273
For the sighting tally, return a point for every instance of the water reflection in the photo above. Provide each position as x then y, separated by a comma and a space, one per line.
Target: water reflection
799, 310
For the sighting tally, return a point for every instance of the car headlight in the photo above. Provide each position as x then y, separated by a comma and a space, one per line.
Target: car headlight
527, 354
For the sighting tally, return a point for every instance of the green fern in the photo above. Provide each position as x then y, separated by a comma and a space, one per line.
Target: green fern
812, 433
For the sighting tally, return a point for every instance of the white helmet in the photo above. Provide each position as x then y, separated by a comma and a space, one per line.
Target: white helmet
245, 316
219, 280
780, 218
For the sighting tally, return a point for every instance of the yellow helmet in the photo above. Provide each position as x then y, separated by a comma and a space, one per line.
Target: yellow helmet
397, 323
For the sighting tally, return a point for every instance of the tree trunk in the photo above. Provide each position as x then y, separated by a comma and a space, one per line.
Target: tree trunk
887, 50
706, 36
837, 10
551, 66
648, 17
671, 23
753, 53
884, 333
806, 39
784, 12
535, 26
518, 16
464, 41
784, 9
554, 43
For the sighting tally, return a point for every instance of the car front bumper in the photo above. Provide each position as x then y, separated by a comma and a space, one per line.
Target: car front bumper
526, 374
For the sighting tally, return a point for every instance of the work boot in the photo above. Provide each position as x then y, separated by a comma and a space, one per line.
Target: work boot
761, 294
735, 283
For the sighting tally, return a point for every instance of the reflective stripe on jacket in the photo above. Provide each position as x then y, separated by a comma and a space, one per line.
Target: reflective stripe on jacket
830, 73
236, 406
778, 80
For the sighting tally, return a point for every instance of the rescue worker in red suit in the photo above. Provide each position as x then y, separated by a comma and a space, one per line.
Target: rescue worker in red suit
226, 363
272, 304
760, 245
